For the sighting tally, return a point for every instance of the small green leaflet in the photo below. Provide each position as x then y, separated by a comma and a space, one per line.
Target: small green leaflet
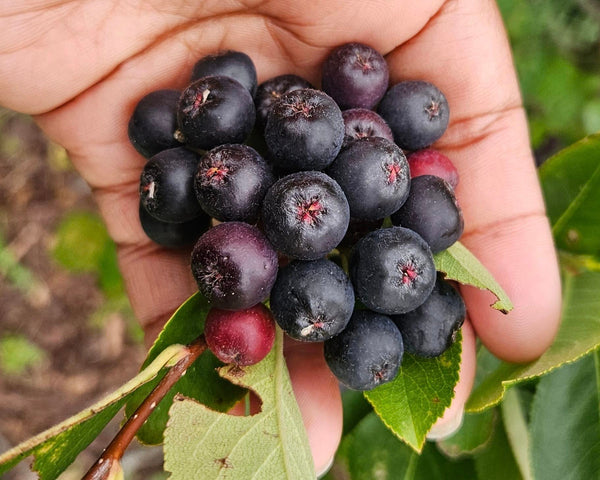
201, 381
579, 334
459, 264
56, 448
411, 403
272, 444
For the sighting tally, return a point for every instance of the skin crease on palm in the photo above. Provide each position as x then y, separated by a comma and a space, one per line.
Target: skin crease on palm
80, 68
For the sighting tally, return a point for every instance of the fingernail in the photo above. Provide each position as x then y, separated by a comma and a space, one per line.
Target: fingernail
323, 471
448, 427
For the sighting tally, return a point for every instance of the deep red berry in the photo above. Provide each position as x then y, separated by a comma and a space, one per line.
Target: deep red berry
432, 162
243, 337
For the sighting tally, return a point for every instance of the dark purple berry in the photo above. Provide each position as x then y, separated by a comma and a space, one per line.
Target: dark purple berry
361, 123
312, 301
173, 235
234, 265
304, 130
355, 75
417, 112
153, 123
228, 63
367, 353
213, 111
392, 270
432, 211
231, 182
305, 215
429, 330
167, 186
373, 173
432, 162
271, 90
243, 337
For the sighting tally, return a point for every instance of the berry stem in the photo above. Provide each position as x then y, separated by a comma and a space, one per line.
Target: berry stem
105, 467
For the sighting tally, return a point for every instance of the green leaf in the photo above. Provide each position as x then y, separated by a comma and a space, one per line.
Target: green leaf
56, 448
355, 407
17, 354
571, 186
81, 238
461, 265
474, 435
371, 451
516, 428
578, 335
411, 403
201, 382
496, 461
202, 443
565, 423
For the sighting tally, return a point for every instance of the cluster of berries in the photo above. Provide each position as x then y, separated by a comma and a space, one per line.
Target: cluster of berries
332, 170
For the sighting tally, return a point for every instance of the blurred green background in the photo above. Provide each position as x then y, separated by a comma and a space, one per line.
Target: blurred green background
67, 333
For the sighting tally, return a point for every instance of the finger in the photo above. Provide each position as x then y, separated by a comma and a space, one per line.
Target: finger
452, 417
464, 51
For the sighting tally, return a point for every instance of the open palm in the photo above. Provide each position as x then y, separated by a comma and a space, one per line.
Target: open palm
80, 68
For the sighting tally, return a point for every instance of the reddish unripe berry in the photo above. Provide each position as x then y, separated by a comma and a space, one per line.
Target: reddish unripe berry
432, 162
243, 337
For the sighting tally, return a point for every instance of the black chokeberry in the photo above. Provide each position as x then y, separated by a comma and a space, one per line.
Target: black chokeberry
242, 337
392, 270
305, 215
231, 182
417, 112
367, 353
213, 111
355, 76
432, 211
234, 265
373, 173
228, 63
153, 123
173, 235
361, 123
271, 90
167, 186
312, 301
304, 130
430, 329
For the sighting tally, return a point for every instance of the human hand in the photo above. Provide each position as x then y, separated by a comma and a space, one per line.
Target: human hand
80, 68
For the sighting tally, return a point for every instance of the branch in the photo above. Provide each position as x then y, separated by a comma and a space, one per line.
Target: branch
107, 466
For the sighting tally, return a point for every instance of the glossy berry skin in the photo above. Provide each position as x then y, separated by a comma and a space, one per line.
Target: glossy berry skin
231, 182
167, 186
429, 330
234, 265
361, 123
271, 90
312, 301
432, 211
417, 112
392, 270
228, 63
304, 131
305, 215
213, 111
153, 123
173, 235
355, 76
243, 337
373, 173
367, 353
431, 162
